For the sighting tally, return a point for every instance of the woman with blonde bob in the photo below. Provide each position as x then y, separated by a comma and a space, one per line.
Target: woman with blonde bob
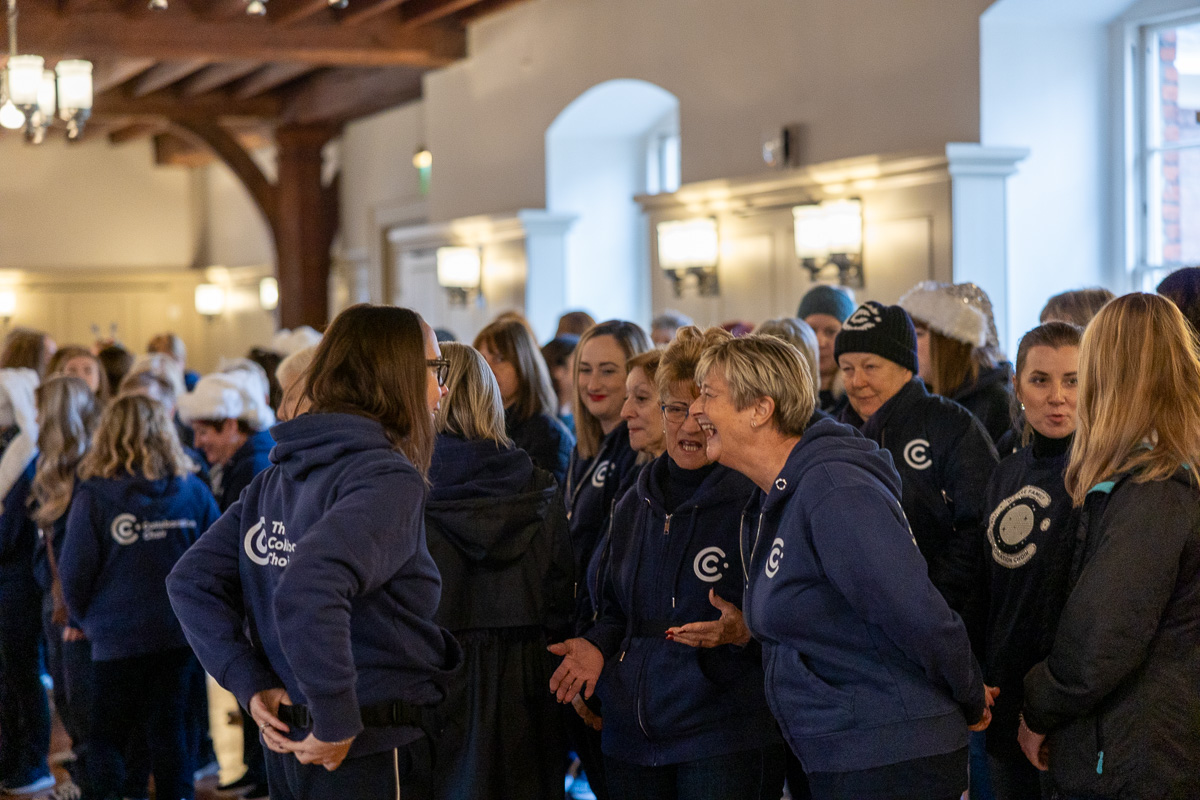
137, 508
323, 560
530, 404
497, 530
868, 672
1114, 710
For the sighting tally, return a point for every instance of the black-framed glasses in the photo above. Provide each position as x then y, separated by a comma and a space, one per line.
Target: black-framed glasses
441, 368
676, 412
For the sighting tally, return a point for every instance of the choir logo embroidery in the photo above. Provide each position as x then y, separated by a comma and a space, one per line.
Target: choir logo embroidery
1012, 523
865, 318
708, 564
773, 558
600, 474
916, 454
265, 549
126, 529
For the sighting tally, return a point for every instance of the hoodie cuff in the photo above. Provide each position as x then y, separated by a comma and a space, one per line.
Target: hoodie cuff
246, 676
335, 717
606, 638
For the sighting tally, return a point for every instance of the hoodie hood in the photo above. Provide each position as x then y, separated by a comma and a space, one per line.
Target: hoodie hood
827, 443
721, 486
317, 440
488, 502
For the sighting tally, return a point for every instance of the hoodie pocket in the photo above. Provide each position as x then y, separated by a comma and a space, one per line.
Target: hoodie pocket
806, 705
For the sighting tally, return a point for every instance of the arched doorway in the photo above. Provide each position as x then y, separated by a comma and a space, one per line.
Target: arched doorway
615, 141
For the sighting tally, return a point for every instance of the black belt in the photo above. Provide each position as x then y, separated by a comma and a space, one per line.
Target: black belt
389, 714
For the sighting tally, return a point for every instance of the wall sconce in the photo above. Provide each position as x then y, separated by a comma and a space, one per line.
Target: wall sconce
831, 235
210, 300
8, 305
268, 294
459, 270
690, 248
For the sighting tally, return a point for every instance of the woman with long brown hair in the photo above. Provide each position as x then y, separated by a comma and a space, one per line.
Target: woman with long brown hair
344, 661
137, 508
1114, 710
530, 404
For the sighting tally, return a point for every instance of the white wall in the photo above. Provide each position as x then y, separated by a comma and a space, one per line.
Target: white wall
92, 205
864, 76
235, 234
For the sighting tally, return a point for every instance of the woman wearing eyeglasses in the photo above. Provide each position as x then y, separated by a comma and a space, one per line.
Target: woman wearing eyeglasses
679, 721
312, 599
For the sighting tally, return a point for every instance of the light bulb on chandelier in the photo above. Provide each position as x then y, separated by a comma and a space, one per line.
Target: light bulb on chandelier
256, 8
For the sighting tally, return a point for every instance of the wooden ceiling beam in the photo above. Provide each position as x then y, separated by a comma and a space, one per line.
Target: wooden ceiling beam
114, 72
213, 105
339, 95
423, 12
100, 34
359, 12
289, 12
165, 74
135, 131
268, 78
217, 75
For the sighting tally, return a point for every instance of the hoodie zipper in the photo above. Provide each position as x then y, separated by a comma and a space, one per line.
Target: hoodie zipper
757, 536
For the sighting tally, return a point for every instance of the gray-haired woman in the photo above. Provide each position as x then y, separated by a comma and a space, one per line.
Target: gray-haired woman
868, 671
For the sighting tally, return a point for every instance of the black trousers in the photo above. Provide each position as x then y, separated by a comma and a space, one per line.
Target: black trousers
24, 709
389, 775
143, 693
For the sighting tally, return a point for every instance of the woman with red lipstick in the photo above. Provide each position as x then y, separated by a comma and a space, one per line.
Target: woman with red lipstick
1029, 528
600, 463
680, 721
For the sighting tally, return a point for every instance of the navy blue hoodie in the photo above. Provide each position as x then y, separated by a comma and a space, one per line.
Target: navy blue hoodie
18, 535
250, 459
665, 702
323, 560
865, 663
123, 536
593, 487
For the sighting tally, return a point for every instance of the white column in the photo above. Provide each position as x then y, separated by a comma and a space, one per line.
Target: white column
546, 268
979, 219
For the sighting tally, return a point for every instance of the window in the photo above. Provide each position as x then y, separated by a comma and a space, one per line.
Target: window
1170, 150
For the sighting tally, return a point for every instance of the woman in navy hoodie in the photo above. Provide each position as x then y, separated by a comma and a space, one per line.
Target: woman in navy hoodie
312, 599
867, 670
498, 533
137, 508
679, 722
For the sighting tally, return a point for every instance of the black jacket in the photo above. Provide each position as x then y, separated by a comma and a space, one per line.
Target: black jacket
546, 440
989, 398
1119, 695
945, 459
1030, 528
497, 530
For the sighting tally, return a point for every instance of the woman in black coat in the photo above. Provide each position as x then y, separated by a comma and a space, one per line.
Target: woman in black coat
497, 529
1114, 710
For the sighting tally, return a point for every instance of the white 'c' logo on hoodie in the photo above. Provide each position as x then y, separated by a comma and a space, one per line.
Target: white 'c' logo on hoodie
256, 548
773, 558
707, 564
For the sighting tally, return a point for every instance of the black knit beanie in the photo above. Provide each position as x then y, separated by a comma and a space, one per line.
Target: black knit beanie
886, 331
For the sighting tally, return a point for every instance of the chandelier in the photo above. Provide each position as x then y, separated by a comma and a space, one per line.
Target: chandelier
30, 94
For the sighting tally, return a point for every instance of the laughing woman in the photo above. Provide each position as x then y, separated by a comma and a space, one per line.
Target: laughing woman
1114, 710
868, 672
680, 722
